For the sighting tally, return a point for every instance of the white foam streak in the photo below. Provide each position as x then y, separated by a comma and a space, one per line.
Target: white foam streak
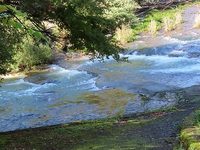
187, 69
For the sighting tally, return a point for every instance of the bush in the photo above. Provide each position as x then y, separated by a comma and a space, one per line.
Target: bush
8, 38
28, 54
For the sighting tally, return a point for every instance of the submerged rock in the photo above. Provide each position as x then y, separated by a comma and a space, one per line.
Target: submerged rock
158, 101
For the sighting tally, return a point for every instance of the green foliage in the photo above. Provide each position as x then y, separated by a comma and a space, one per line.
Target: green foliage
28, 54
120, 11
13, 28
158, 16
85, 22
9, 36
197, 118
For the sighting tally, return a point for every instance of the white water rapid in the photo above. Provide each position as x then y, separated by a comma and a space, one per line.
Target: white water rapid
47, 98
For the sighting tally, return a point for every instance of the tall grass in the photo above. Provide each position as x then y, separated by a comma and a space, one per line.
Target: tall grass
197, 21
168, 24
178, 18
170, 19
124, 34
152, 27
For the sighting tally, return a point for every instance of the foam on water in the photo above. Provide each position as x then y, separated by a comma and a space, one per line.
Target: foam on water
183, 69
174, 40
57, 79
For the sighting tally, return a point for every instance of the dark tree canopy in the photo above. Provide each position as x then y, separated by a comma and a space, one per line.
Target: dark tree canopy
83, 19
88, 24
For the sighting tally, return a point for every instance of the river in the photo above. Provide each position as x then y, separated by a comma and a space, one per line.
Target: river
161, 71
92, 89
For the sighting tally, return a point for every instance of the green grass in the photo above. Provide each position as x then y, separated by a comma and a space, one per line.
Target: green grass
190, 134
197, 117
158, 16
97, 134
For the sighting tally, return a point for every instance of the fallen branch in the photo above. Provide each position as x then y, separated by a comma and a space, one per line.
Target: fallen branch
159, 5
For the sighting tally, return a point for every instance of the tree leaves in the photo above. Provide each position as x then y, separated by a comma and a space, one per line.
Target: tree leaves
17, 12
13, 23
3, 8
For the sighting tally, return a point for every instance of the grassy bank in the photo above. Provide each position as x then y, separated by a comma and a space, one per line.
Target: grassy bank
190, 134
157, 19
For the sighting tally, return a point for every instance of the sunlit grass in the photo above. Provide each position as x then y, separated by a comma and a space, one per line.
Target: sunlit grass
152, 27
190, 134
197, 21
168, 24
124, 34
178, 18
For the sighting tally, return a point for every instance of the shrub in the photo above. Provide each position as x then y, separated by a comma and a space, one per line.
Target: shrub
8, 38
28, 54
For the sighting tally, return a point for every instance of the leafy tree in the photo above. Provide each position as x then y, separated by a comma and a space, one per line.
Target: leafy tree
84, 21
87, 23
28, 54
120, 10
12, 31
9, 36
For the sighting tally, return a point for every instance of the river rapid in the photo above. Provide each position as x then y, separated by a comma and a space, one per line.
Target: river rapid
92, 89
162, 71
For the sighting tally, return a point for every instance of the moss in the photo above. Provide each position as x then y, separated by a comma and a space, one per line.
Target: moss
190, 138
190, 134
5, 109
97, 134
2, 110
2, 141
102, 134
59, 104
197, 99
167, 109
144, 97
111, 101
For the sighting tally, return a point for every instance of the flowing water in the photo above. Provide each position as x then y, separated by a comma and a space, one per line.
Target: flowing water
60, 95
